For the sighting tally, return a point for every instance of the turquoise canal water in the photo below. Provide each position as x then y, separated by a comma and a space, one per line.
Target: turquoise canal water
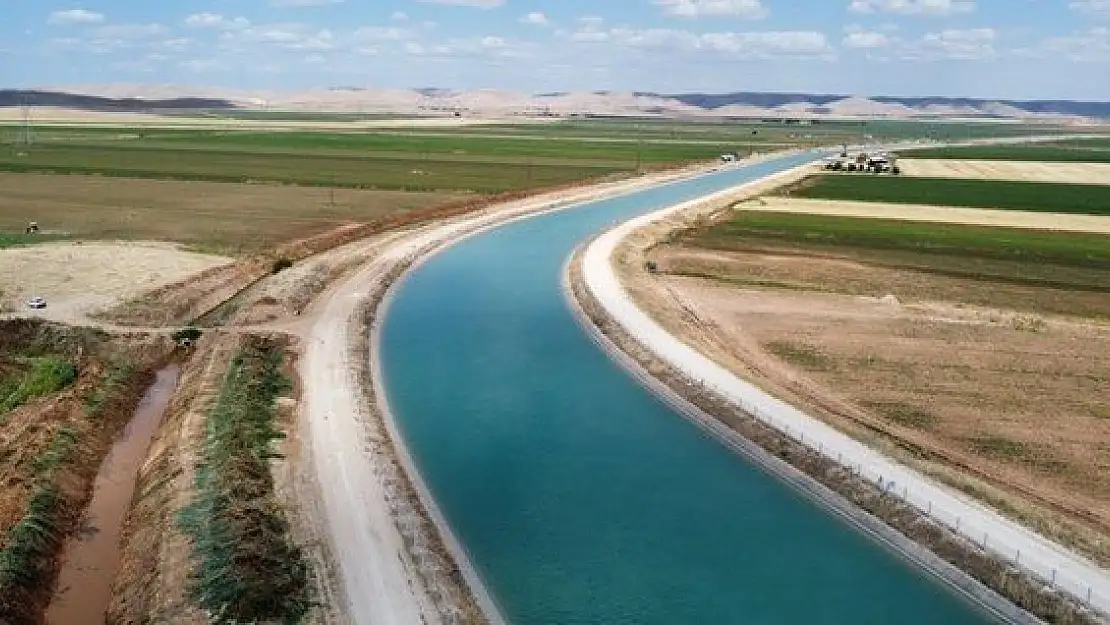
580, 497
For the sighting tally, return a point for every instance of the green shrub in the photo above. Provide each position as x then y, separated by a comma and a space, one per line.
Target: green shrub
191, 333
281, 265
47, 375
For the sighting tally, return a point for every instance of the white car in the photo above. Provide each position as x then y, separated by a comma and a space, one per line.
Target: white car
36, 302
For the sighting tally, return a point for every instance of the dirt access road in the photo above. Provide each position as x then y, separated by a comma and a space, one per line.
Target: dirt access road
1048, 560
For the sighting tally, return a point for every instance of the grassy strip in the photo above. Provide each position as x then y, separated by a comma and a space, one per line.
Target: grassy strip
1008, 244
247, 569
1026, 196
47, 375
19, 240
1044, 153
26, 563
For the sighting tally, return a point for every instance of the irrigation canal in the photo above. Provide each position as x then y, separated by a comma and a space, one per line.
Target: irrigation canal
578, 495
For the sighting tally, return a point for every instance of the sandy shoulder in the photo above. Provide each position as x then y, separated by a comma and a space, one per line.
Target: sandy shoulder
79, 278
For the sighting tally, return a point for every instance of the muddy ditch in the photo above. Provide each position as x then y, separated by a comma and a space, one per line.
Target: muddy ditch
91, 557
74, 400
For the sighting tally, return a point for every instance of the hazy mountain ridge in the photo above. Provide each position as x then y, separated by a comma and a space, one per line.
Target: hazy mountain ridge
143, 98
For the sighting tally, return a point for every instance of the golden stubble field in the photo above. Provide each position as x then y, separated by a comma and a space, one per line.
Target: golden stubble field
1070, 173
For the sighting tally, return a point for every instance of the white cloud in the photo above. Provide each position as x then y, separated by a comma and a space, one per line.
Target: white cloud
765, 44
971, 44
692, 9
379, 33
478, 4
399, 16
215, 20
296, 4
535, 18
130, 31
913, 7
864, 39
75, 16
1092, 46
1092, 7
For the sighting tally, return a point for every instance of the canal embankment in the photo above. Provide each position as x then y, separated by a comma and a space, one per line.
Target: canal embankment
1035, 574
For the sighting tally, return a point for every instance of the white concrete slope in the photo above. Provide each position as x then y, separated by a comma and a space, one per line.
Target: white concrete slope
1055, 564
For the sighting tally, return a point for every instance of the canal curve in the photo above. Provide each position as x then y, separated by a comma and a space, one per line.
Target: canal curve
578, 495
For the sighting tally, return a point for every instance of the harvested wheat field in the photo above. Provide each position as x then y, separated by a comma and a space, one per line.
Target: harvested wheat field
1071, 173
79, 278
220, 217
976, 354
938, 214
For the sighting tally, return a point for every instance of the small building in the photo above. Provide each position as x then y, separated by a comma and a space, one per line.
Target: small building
728, 158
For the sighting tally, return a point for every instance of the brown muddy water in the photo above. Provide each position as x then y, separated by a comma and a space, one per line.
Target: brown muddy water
92, 556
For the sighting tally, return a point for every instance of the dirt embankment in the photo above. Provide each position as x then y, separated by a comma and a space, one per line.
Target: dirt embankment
52, 445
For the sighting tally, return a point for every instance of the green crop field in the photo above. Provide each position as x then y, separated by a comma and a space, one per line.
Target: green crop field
1027, 196
1010, 244
404, 172
1054, 152
1049, 272
386, 160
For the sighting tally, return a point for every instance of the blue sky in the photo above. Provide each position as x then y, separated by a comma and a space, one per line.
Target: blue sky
987, 48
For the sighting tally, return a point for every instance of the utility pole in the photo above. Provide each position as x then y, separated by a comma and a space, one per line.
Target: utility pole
639, 148
25, 110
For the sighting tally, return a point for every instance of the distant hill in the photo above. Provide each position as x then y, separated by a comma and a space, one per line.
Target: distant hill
1067, 108
12, 97
500, 103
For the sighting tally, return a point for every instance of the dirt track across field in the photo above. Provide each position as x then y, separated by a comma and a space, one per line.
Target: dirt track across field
1071, 173
937, 214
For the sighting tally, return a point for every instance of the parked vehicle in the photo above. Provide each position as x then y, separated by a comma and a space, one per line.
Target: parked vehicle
36, 303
